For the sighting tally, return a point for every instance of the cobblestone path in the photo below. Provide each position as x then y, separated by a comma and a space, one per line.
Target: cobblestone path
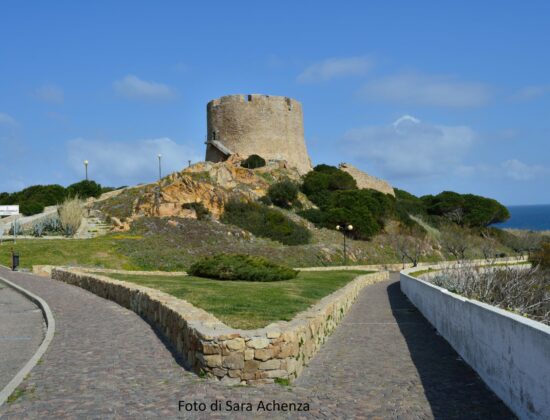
383, 361
21, 332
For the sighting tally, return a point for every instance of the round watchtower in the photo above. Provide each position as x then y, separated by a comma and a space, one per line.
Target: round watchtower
269, 126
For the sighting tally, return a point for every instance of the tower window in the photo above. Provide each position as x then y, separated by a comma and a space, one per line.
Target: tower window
213, 135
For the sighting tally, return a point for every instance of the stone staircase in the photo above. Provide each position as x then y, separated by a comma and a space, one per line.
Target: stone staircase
93, 225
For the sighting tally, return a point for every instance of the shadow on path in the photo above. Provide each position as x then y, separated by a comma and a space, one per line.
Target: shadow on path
453, 388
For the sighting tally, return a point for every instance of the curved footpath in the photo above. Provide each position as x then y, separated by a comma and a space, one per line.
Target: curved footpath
384, 361
22, 329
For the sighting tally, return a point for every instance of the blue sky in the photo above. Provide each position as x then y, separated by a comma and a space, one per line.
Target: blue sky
430, 95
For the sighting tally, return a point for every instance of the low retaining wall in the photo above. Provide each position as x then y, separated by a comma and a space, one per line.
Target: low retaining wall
511, 353
208, 346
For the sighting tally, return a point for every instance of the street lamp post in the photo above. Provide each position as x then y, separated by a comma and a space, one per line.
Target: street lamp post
86, 168
160, 171
344, 228
159, 156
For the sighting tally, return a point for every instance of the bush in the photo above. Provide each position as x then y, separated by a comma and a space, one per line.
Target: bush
367, 210
522, 290
253, 162
70, 215
283, 193
201, 211
324, 179
28, 208
84, 189
541, 257
265, 222
240, 267
16, 228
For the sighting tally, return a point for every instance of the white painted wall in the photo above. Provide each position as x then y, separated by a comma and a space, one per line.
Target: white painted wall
511, 353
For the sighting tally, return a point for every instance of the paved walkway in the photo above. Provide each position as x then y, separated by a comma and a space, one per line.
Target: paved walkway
384, 361
21, 332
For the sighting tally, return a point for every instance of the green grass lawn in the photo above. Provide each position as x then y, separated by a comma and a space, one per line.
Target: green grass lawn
98, 252
249, 305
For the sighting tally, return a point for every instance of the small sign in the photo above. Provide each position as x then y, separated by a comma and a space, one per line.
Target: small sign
9, 210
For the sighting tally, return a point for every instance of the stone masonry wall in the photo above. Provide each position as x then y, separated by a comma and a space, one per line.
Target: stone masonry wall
269, 126
280, 350
365, 180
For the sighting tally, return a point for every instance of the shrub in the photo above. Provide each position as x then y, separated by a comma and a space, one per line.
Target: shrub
70, 215
367, 210
240, 267
319, 183
283, 193
84, 189
201, 211
16, 228
542, 257
522, 290
28, 208
253, 162
265, 222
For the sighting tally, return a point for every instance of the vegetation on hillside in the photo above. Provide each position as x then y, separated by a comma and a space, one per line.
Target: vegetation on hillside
265, 222
283, 194
33, 199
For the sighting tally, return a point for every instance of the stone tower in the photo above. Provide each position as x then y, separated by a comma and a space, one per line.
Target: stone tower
269, 126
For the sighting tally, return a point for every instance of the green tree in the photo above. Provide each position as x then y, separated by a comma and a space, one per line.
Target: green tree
283, 193
84, 189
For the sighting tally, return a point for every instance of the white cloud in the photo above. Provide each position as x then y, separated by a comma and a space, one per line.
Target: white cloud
6, 119
333, 68
50, 93
430, 90
531, 92
132, 87
128, 163
519, 171
409, 148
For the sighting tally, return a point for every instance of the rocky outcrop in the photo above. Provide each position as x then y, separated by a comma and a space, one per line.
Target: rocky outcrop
365, 180
210, 184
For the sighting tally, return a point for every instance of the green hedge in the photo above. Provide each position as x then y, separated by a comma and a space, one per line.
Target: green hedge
240, 267
265, 222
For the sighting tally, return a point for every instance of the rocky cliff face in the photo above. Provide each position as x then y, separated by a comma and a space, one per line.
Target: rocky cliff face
210, 184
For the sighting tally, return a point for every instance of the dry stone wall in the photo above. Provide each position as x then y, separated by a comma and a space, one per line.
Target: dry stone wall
364, 180
280, 350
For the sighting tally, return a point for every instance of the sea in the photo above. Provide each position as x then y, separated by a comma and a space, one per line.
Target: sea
535, 217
